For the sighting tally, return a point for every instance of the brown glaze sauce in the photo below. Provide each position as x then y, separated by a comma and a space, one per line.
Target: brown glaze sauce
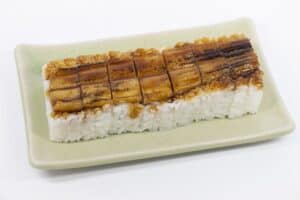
145, 76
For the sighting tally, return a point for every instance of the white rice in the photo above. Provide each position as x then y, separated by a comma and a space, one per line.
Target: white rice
115, 119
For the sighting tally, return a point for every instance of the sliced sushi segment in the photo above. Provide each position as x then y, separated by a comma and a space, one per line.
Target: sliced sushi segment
64, 88
67, 94
148, 62
234, 45
183, 72
205, 49
243, 62
66, 79
93, 73
179, 57
126, 91
67, 106
185, 79
120, 66
212, 65
156, 88
94, 83
96, 94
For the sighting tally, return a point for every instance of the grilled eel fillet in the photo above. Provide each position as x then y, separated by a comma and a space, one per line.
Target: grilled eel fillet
147, 77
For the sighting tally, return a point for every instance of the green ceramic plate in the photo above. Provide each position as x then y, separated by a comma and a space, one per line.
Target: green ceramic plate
271, 121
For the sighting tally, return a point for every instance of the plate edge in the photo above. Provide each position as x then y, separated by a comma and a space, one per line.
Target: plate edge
35, 163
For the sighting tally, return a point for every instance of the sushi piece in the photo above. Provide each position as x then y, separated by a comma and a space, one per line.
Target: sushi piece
94, 96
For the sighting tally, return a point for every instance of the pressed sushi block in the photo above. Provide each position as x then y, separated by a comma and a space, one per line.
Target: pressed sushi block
95, 96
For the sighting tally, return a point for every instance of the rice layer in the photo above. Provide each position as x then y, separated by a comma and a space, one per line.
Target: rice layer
115, 119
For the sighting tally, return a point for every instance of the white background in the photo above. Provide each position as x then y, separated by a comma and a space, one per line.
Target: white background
268, 170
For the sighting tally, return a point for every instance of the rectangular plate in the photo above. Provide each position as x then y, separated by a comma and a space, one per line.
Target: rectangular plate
271, 121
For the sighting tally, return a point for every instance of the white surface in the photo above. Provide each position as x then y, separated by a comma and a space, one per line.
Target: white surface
268, 170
